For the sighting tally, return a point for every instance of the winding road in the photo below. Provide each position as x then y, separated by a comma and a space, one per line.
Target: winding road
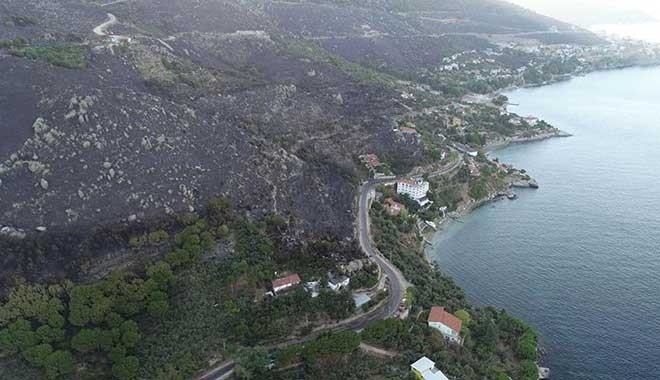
397, 282
102, 28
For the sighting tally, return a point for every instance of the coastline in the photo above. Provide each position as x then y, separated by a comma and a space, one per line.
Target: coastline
508, 246
429, 235
492, 146
567, 77
465, 209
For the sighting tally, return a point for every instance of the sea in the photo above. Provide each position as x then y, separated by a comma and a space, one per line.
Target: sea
579, 258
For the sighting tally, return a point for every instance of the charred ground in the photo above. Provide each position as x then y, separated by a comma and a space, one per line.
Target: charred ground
266, 103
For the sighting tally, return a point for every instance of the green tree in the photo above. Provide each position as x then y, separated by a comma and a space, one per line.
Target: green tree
20, 336
217, 210
526, 347
107, 339
117, 353
38, 355
126, 368
464, 316
114, 320
529, 370
59, 364
7, 342
86, 340
48, 334
130, 334
86, 305
251, 363
223, 231
158, 308
161, 273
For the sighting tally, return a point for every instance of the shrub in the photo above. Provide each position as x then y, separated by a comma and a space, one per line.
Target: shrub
15, 43
70, 56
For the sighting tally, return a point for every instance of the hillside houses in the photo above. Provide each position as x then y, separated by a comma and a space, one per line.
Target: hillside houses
392, 207
448, 324
424, 369
285, 283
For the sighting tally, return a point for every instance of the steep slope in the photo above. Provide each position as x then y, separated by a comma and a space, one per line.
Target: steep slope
122, 123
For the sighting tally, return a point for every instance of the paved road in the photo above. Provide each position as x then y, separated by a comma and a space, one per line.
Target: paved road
447, 169
221, 372
397, 282
100, 30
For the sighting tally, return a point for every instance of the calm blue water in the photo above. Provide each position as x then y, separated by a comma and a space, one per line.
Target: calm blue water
579, 258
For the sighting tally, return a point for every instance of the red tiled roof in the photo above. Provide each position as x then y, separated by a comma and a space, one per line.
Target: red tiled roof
438, 314
292, 279
391, 201
371, 159
408, 130
393, 207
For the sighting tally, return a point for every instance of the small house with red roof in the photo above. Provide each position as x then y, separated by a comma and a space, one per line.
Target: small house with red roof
370, 160
392, 207
448, 324
408, 130
284, 283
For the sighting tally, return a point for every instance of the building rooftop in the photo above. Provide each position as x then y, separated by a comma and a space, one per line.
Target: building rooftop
393, 207
439, 315
426, 367
408, 130
371, 160
423, 364
291, 279
410, 181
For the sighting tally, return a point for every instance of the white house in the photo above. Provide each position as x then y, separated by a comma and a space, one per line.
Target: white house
313, 288
285, 283
415, 188
424, 369
448, 324
337, 283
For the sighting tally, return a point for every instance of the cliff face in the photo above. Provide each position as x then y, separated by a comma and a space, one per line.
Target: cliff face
121, 119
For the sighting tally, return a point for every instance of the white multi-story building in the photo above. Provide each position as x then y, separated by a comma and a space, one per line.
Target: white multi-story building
415, 188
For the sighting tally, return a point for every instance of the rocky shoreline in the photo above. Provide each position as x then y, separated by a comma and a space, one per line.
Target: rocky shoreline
495, 145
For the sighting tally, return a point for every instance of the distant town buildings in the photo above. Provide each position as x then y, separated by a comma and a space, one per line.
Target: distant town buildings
448, 324
424, 369
415, 188
284, 283
531, 120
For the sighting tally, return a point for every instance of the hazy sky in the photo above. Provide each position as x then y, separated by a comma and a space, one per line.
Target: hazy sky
557, 7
